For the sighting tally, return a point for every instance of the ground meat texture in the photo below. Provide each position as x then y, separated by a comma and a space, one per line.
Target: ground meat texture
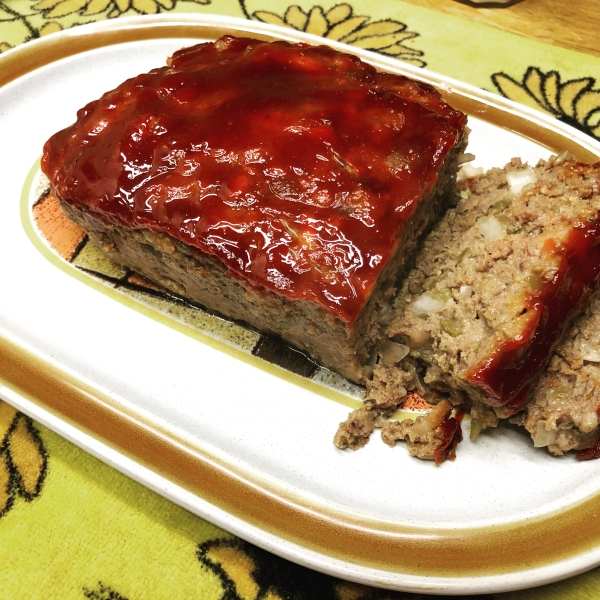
355, 431
281, 184
563, 406
499, 280
563, 411
389, 385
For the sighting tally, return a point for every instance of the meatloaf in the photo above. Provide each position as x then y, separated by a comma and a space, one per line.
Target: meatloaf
495, 288
283, 185
563, 410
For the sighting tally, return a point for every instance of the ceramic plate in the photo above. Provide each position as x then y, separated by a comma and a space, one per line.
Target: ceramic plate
220, 419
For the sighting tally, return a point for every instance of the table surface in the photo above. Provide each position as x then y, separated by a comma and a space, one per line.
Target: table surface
571, 24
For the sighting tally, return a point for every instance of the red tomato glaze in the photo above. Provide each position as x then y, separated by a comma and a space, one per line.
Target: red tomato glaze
451, 434
509, 372
296, 166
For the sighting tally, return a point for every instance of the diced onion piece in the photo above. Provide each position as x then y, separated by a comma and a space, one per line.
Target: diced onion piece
475, 429
517, 180
465, 292
468, 171
491, 229
589, 422
588, 352
466, 157
559, 393
451, 326
426, 305
426, 424
542, 436
385, 313
438, 413
392, 353
562, 157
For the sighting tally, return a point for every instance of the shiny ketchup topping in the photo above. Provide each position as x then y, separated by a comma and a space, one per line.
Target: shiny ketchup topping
296, 166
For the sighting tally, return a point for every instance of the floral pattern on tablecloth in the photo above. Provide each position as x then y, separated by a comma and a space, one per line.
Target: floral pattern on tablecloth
341, 24
574, 101
23, 458
32, 19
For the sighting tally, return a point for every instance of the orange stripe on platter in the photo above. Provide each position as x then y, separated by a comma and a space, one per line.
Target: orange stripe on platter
61, 234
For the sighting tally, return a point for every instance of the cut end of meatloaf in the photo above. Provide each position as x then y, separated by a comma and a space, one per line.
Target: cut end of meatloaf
500, 279
283, 185
521, 242
563, 410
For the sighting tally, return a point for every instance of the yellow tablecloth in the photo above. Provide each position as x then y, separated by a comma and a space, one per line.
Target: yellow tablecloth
73, 528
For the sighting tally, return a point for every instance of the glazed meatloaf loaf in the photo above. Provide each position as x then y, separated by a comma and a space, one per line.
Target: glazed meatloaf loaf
282, 185
496, 285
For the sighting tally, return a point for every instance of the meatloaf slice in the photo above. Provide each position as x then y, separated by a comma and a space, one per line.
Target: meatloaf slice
495, 286
283, 185
500, 280
563, 410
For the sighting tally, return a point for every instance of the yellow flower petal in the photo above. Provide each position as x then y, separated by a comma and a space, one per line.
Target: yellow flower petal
317, 23
296, 17
239, 568
379, 28
5, 495
593, 119
123, 5
378, 42
6, 16
515, 91
417, 62
550, 89
269, 17
26, 456
569, 92
596, 131
66, 7
51, 27
341, 30
46, 4
345, 590
168, 4
338, 13
4, 47
587, 103
147, 7
400, 49
533, 83
7, 415
96, 6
